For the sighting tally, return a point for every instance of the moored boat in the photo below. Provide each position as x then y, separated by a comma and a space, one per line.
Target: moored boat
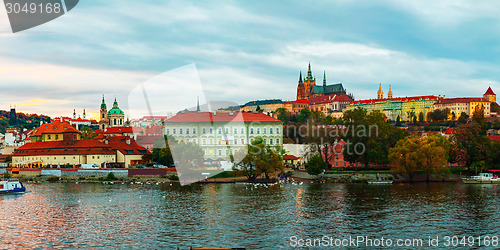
482, 178
11, 186
380, 182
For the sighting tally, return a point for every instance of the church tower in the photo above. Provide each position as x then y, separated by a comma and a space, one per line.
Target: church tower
490, 95
116, 116
389, 94
103, 119
300, 88
380, 93
309, 83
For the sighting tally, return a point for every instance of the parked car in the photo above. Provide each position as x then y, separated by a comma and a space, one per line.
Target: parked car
141, 167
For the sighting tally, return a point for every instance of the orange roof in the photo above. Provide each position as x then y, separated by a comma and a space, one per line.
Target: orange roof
301, 101
290, 157
55, 127
221, 117
489, 92
404, 99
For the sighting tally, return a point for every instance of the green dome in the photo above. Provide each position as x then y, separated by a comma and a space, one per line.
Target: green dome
115, 111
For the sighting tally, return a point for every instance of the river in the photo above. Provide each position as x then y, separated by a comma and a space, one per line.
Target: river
66, 215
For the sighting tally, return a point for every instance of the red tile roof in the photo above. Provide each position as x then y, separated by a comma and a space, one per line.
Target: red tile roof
81, 147
126, 145
460, 100
55, 127
449, 131
290, 157
221, 117
494, 137
489, 92
330, 98
411, 98
117, 130
301, 101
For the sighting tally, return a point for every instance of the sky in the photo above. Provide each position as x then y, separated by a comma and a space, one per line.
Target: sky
249, 50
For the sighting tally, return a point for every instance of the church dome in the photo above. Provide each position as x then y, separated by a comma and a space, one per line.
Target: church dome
115, 111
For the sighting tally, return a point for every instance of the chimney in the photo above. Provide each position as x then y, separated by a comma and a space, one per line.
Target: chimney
127, 141
60, 119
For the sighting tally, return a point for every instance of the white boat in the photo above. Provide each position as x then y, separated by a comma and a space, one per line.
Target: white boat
482, 178
11, 186
380, 182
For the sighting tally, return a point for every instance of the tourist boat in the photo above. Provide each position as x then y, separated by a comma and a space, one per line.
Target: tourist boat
380, 182
482, 178
11, 186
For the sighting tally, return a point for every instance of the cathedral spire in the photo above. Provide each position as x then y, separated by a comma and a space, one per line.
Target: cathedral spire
380, 93
198, 105
324, 78
74, 113
309, 76
389, 94
300, 77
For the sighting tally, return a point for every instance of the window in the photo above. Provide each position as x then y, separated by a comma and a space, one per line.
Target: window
220, 152
168, 131
57, 137
251, 131
235, 131
180, 131
194, 131
242, 141
173, 131
220, 131
277, 141
48, 137
227, 152
187, 131
194, 141
242, 130
211, 143
204, 141
264, 130
211, 131
227, 131
270, 130
204, 130
187, 140
277, 130
270, 141
258, 130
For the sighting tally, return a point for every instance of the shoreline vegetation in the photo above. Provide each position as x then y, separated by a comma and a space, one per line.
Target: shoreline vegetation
332, 176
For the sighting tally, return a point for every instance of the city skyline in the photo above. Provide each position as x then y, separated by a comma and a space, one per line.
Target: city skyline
417, 48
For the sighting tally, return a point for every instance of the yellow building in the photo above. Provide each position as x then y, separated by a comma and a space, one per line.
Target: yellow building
400, 106
117, 150
54, 131
466, 105
490, 95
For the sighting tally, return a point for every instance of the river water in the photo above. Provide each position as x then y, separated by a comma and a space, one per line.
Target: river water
66, 215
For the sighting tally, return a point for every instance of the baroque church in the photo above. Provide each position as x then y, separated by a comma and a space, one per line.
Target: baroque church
115, 117
307, 87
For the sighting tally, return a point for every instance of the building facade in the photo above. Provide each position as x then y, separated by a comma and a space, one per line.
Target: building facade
222, 134
466, 105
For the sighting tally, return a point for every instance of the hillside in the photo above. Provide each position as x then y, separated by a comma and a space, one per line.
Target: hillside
27, 121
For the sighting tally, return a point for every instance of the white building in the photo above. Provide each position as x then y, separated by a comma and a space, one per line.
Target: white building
222, 134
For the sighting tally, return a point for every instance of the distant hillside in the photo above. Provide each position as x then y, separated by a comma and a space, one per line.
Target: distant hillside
28, 121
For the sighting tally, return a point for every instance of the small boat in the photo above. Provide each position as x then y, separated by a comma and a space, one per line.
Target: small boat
380, 182
482, 178
11, 186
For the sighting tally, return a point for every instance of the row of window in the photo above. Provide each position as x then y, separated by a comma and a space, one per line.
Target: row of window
188, 131
228, 142
64, 157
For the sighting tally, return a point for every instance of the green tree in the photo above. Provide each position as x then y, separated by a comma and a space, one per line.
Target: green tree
304, 115
371, 132
258, 159
404, 157
478, 117
433, 155
421, 117
315, 164
188, 155
463, 118
473, 141
161, 152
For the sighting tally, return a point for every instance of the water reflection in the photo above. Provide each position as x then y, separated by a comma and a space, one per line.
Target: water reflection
235, 215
